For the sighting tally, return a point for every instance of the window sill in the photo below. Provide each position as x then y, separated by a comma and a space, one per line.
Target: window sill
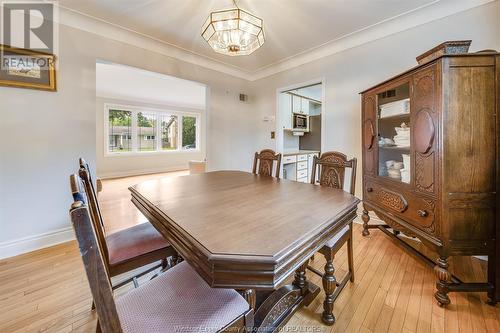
150, 153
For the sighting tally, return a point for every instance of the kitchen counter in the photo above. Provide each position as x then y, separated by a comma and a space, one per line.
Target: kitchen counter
298, 152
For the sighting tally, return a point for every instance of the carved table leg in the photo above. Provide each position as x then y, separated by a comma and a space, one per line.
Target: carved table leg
444, 276
250, 296
366, 218
329, 285
300, 277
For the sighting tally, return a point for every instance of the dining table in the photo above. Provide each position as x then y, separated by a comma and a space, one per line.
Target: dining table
252, 233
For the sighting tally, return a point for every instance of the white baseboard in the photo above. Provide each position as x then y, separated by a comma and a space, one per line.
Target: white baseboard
128, 173
36, 242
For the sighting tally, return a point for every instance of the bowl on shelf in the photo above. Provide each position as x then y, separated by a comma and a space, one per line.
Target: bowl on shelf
398, 165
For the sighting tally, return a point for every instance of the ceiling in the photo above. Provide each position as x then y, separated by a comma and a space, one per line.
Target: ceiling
138, 85
292, 27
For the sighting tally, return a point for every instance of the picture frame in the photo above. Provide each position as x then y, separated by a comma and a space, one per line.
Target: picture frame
22, 68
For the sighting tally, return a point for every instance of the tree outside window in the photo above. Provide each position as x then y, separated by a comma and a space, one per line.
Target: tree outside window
188, 132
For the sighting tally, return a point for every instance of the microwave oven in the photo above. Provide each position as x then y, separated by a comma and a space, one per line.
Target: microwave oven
300, 122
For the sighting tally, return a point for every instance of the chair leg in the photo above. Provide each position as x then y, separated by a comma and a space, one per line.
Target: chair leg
164, 264
329, 285
350, 253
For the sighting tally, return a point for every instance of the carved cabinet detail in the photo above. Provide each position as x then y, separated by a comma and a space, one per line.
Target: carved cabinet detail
369, 134
392, 200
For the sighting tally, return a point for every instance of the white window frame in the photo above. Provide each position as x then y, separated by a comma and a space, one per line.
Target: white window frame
158, 112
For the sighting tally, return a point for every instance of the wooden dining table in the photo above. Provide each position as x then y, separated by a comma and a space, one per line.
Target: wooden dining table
247, 232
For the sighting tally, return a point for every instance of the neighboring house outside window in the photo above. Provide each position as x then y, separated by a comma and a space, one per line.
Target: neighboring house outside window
134, 130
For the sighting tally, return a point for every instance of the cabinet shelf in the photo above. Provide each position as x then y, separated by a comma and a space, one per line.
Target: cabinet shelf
394, 148
396, 116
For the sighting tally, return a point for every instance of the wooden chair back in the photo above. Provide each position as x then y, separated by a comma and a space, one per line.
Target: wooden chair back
332, 166
95, 212
93, 261
263, 163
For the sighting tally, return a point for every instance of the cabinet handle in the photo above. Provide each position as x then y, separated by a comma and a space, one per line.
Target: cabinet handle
369, 189
422, 213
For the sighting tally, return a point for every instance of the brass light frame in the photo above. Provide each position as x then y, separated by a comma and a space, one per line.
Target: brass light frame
234, 49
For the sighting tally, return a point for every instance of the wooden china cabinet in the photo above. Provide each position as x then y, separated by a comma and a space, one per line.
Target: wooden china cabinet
445, 194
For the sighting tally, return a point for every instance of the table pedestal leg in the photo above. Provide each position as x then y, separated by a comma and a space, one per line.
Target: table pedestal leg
300, 277
275, 311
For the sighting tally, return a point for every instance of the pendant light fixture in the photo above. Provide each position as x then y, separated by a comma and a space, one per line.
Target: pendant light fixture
233, 32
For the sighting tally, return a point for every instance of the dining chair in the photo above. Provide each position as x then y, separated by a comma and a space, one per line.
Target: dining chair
176, 301
263, 163
127, 249
332, 166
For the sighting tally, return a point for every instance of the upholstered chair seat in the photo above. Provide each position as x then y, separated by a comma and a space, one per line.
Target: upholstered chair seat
135, 242
179, 301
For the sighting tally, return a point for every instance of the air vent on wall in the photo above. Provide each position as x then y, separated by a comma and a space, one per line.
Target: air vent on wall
243, 98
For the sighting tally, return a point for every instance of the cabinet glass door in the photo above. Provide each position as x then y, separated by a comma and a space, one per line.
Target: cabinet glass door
393, 126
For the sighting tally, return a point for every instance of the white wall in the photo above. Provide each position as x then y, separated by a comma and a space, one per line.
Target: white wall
354, 70
42, 134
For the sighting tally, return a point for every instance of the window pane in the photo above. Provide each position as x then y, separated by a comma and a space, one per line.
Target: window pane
120, 131
146, 131
168, 127
188, 132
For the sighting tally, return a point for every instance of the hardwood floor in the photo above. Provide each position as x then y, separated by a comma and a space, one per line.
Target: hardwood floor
47, 291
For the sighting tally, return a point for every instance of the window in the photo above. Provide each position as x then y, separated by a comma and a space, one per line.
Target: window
188, 132
169, 133
146, 129
138, 130
120, 131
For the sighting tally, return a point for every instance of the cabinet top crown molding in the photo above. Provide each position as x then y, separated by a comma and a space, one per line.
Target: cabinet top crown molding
485, 53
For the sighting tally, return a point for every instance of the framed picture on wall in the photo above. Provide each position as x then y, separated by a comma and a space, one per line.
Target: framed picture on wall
27, 69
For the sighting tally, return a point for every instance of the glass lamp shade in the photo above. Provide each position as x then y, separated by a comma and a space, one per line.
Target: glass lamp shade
233, 32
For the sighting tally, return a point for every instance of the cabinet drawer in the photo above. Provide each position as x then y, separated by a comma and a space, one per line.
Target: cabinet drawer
301, 174
311, 156
303, 180
302, 165
417, 211
301, 158
289, 159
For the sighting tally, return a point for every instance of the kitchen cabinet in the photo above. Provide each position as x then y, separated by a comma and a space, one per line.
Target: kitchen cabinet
300, 105
296, 104
298, 166
305, 106
286, 110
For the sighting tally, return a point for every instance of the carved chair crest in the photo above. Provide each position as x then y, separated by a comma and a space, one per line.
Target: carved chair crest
263, 163
332, 167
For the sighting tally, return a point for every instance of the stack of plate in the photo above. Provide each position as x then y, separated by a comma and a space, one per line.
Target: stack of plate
405, 172
395, 108
402, 139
